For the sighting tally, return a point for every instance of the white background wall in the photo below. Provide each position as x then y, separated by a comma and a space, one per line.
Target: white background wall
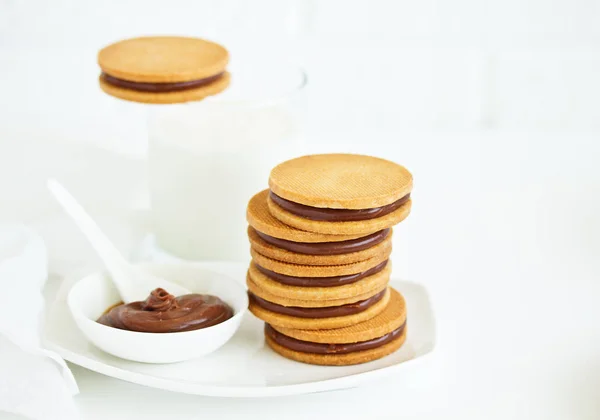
460, 65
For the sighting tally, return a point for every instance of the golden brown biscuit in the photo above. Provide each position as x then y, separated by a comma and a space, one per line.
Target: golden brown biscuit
310, 303
288, 321
353, 358
362, 227
340, 181
283, 294
261, 219
318, 270
163, 69
163, 59
392, 318
279, 254
181, 96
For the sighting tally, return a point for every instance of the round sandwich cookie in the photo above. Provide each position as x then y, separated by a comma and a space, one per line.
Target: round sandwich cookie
305, 270
318, 318
340, 354
261, 219
310, 303
341, 181
331, 281
163, 69
359, 343
340, 194
363, 227
286, 295
321, 253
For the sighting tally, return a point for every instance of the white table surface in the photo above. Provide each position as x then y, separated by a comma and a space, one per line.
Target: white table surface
504, 233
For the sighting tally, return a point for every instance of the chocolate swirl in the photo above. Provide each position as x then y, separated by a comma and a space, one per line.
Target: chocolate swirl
162, 312
160, 300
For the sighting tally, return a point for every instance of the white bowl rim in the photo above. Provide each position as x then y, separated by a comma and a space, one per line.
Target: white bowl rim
75, 309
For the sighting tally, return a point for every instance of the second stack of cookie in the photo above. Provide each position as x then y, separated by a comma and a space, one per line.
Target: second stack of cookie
320, 243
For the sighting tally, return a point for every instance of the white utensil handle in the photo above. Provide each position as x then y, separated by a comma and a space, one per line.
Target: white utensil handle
108, 253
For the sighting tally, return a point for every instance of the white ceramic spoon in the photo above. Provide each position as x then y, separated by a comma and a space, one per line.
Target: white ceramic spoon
132, 284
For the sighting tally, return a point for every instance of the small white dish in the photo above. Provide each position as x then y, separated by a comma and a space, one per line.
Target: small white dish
92, 295
245, 366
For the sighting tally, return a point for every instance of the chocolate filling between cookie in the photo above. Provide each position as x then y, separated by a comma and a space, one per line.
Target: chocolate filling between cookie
325, 312
322, 348
327, 248
336, 215
159, 87
321, 281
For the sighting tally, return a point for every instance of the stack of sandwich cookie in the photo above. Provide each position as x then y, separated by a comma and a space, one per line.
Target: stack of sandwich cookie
163, 70
330, 274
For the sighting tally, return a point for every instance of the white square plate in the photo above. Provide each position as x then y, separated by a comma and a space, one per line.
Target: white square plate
245, 366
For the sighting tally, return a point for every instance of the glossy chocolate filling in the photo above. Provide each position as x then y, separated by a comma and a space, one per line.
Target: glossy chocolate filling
327, 248
326, 312
320, 281
321, 348
159, 87
162, 312
336, 215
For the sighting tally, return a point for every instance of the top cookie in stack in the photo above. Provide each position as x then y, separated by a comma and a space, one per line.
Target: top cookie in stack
320, 243
340, 194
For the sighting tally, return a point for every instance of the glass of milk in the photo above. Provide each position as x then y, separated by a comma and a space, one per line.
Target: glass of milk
207, 159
